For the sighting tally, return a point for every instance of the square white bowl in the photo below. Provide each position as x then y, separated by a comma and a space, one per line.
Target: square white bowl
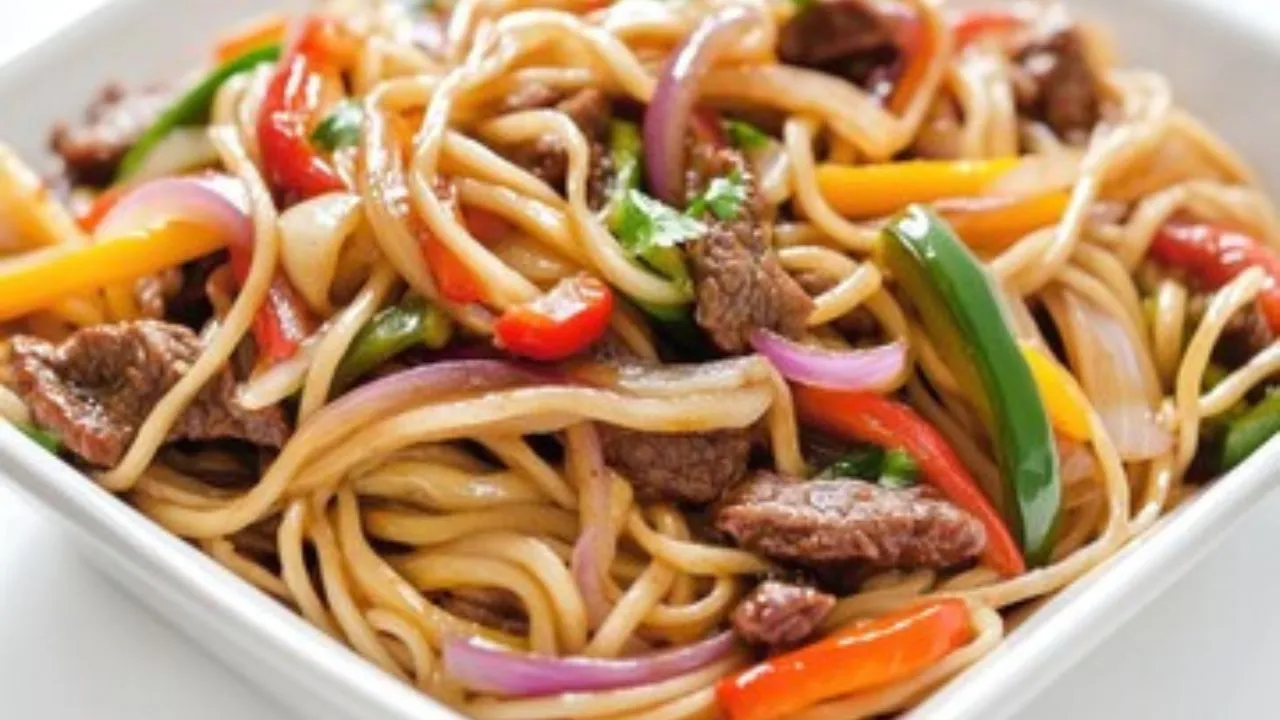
1220, 60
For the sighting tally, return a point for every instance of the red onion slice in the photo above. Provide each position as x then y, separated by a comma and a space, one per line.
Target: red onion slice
863, 369
482, 667
666, 120
206, 201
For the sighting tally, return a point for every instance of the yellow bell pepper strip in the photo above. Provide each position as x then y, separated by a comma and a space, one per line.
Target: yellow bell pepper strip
868, 655
960, 308
868, 191
43, 278
1063, 399
991, 224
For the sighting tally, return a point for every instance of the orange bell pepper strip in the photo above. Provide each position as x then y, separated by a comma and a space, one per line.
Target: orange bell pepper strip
560, 324
866, 656
88, 219
267, 30
871, 418
992, 224
293, 168
868, 191
971, 25
42, 278
917, 43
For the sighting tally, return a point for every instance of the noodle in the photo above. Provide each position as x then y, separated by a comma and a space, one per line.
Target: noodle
447, 488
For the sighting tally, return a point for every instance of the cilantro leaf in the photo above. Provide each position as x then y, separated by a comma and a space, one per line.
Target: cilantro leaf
340, 128
745, 136
651, 232
644, 222
724, 198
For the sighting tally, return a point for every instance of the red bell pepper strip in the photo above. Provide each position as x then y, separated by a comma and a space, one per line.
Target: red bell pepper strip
868, 655
871, 418
1214, 255
454, 279
283, 321
916, 46
292, 167
560, 324
971, 25
98, 209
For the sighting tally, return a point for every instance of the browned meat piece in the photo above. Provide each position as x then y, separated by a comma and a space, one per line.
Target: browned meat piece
739, 283
153, 292
858, 324
1245, 334
679, 467
780, 615
741, 286
496, 608
91, 151
845, 38
95, 389
1055, 84
590, 110
837, 521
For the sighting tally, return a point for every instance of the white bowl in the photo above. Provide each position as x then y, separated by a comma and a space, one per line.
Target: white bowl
1218, 55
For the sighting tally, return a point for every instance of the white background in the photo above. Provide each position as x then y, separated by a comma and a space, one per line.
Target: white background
73, 646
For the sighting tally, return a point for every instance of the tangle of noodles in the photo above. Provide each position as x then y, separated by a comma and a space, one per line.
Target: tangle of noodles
443, 497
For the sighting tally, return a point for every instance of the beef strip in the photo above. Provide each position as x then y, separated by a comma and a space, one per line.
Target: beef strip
496, 608
546, 158
739, 283
678, 467
684, 467
781, 615
1245, 334
91, 151
95, 389
860, 323
1055, 84
846, 38
825, 522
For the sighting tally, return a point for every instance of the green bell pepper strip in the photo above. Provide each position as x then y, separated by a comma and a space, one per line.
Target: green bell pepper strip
893, 468
1250, 431
389, 333
43, 438
192, 108
961, 310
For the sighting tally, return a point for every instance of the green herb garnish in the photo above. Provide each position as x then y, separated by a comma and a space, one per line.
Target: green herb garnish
745, 136
340, 128
724, 197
